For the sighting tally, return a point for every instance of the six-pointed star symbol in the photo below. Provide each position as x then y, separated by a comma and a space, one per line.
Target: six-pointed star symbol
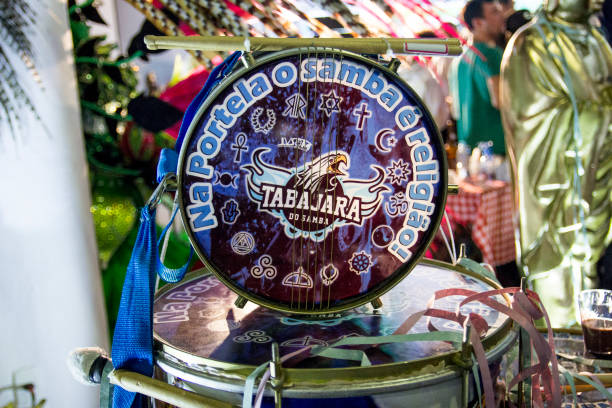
330, 102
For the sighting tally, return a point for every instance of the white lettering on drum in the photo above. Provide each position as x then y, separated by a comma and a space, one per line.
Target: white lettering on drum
174, 312
171, 316
420, 194
197, 288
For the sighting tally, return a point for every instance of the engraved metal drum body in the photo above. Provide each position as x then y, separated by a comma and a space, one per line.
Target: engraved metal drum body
312, 181
210, 346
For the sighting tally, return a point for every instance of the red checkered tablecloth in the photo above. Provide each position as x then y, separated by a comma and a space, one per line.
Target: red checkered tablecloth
487, 207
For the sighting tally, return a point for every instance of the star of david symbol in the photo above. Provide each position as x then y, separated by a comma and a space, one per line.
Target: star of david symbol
330, 102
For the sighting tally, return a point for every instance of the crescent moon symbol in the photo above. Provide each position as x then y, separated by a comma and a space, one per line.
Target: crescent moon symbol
379, 139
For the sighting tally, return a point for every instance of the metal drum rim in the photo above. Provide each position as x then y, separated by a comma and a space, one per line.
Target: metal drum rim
358, 300
495, 344
329, 389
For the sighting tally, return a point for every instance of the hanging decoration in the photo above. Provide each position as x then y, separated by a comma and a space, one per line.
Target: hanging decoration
286, 18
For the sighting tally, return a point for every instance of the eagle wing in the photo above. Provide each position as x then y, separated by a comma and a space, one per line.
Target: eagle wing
262, 173
370, 191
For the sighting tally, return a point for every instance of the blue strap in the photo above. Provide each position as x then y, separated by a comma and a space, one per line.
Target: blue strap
168, 163
169, 159
216, 76
133, 337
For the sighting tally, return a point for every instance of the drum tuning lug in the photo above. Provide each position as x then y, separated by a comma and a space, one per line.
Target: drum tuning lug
240, 302
394, 64
164, 186
462, 251
247, 59
453, 189
277, 376
377, 303
523, 284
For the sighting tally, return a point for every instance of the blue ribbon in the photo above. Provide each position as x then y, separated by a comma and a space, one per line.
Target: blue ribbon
133, 337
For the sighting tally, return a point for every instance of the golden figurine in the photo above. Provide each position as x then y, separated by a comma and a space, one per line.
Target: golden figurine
556, 94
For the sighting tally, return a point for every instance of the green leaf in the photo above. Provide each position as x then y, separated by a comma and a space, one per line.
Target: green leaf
88, 48
92, 14
80, 32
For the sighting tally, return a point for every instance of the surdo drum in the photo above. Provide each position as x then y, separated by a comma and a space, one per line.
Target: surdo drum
312, 181
208, 345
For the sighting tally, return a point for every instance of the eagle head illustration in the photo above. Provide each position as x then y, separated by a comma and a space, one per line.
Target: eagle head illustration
321, 173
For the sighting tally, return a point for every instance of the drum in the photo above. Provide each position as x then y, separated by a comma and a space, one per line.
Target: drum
312, 181
206, 344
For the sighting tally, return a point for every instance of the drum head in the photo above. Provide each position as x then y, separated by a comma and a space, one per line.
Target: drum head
197, 327
312, 181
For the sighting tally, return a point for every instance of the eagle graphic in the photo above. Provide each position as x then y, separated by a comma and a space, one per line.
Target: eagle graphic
321, 172
306, 198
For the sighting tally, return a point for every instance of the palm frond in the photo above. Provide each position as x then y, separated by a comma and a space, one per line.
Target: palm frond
16, 21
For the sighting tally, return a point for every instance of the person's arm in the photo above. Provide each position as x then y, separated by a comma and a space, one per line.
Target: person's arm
493, 85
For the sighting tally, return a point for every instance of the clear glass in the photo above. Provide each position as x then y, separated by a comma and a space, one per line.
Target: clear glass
463, 158
487, 163
596, 318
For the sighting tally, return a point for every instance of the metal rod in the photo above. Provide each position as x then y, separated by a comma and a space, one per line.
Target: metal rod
466, 353
276, 375
411, 46
524, 387
157, 389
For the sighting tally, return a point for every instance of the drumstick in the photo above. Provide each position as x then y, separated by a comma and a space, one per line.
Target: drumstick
412, 46
87, 366
162, 391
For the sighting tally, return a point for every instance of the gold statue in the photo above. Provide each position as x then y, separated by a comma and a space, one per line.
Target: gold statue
556, 99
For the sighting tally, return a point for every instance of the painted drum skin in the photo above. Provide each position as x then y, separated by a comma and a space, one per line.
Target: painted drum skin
312, 182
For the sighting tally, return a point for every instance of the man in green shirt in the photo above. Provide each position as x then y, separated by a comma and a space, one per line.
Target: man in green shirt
475, 78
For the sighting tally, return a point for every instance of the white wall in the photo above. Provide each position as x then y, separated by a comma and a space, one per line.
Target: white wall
50, 295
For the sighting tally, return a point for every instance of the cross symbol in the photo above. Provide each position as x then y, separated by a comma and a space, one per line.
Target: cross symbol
363, 113
239, 146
